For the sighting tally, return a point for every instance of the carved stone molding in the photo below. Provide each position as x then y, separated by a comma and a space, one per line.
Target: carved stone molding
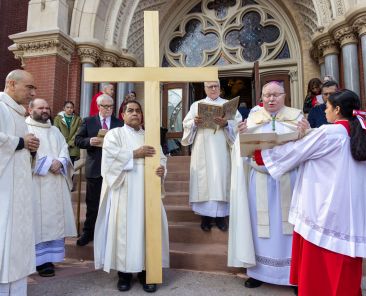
38, 44
345, 35
328, 46
108, 59
359, 25
124, 62
88, 54
293, 74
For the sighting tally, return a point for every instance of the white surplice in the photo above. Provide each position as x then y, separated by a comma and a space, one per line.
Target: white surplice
273, 250
240, 242
119, 237
210, 167
328, 204
17, 253
53, 213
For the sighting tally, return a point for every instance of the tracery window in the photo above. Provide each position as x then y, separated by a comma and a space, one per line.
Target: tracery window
223, 32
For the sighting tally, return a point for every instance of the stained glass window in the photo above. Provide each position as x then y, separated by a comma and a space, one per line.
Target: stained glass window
193, 43
221, 7
252, 36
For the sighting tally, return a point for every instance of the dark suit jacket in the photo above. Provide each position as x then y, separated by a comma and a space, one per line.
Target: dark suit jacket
88, 129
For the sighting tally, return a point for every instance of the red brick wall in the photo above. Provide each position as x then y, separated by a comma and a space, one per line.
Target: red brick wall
51, 78
13, 19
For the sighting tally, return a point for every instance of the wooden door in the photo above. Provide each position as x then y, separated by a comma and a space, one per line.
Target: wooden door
174, 109
281, 77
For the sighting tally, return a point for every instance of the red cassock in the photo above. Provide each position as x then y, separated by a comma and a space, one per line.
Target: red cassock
320, 272
93, 106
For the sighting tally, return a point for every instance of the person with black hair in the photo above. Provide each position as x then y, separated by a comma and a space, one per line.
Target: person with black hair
328, 201
68, 123
316, 116
313, 96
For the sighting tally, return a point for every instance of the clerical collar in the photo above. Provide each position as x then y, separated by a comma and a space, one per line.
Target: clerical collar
346, 125
29, 120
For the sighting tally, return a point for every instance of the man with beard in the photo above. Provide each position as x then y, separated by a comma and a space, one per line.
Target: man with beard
54, 218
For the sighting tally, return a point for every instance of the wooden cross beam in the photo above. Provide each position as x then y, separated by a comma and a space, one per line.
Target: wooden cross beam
152, 75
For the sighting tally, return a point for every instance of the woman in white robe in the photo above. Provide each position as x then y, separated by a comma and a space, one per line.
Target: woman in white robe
328, 204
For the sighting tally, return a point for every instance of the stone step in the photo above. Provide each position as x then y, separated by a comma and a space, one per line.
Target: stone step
181, 213
178, 166
177, 176
175, 159
203, 257
176, 186
191, 233
176, 198
80, 253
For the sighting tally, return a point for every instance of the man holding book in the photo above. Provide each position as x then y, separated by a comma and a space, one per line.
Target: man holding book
269, 199
211, 134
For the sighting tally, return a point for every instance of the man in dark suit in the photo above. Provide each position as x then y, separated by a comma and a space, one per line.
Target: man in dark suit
86, 138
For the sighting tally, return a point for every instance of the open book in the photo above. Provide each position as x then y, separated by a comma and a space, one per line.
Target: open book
209, 111
251, 141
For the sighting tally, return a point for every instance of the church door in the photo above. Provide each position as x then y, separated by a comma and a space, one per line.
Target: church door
175, 106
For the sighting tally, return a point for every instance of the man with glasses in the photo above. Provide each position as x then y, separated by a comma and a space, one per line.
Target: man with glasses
210, 161
316, 116
86, 138
269, 199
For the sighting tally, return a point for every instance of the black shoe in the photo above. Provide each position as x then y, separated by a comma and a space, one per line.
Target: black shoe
206, 223
124, 281
221, 223
149, 288
46, 269
296, 290
252, 283
84, 239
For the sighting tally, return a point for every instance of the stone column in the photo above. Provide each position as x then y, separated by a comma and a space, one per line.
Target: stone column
88, 58
123, 88
330, 55
351, 73
360, 26
322, 68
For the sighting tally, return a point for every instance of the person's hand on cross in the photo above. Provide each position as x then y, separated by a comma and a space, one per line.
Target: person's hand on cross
160, 171
144, 151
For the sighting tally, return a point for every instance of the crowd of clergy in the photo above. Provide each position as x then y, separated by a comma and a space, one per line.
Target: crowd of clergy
295, 213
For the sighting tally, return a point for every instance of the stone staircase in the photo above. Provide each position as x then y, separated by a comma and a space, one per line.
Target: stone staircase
190, 247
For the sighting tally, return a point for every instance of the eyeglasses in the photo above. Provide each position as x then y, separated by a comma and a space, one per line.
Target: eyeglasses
211, 87
107, 106
275, 95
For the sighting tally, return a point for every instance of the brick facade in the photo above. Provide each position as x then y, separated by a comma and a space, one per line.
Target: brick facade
56, 79
13, 19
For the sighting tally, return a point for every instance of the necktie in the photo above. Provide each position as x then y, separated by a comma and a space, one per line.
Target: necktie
104, 126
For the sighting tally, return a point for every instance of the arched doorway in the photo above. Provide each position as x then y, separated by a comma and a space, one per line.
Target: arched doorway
232, 35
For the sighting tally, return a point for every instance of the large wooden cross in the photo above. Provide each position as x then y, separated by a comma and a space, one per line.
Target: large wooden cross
152, 75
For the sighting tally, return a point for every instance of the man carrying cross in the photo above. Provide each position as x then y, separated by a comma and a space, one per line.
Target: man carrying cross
120, 227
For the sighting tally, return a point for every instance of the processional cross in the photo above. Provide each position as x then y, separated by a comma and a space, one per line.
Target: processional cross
152, 75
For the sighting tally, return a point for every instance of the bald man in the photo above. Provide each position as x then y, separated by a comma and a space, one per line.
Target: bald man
269, 199
17, 254
54, 217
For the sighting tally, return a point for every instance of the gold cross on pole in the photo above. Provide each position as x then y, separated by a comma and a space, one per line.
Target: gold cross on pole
152, 75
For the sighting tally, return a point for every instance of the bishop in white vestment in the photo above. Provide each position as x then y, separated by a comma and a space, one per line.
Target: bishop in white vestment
53, 213
119, 237
17, 254
210, 169
269, 199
